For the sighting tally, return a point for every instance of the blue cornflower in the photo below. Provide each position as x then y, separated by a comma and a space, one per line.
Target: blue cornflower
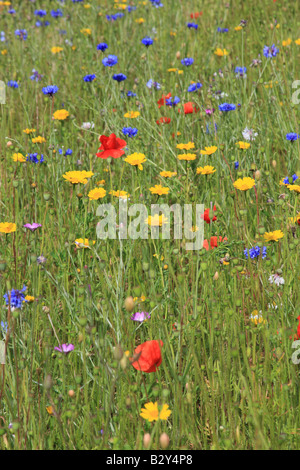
32, 157
187, 61
36, 75
110, 60
67, 152
241, 71
38, 24
119, 77
40, 13
292, 136
130, 94
130, 131
153, 84
227, 107
15, 298
130, 8
2, 36
89, 78
255, 252
3, 327
222, 30
11, 11
12, 84
21, 33
156, 3
169, 101
194, 86
147, 41
270, 51
236, 165
50, 90
293, 179
102, 46
56, 13
192, 25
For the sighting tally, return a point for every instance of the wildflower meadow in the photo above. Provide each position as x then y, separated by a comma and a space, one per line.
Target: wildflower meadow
149, 225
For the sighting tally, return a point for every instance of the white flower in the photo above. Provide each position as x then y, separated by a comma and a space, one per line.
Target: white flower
249, 134
276, 279
87, 125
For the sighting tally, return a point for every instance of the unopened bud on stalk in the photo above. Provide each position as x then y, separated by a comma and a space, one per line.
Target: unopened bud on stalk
129, 304
118, 353
257, 175
178, 55
147, 440
48, 382
216, 276
164, 440
274, 163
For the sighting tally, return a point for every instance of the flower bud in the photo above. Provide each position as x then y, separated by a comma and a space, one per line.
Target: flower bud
9, 144
216, 276
147, 440
164, 440
129, 304
118, 353
178, 55
257, 175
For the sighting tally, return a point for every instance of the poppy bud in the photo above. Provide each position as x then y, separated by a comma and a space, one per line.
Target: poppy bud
274, 163
9, 144
178, 55
216, 276
123, 362
164, 440
129, 304
48, 382
118, 353
147, 440
257, 175
71, 393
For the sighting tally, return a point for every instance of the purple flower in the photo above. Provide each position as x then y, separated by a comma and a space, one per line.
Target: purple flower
65, 348
140, 316
32, 227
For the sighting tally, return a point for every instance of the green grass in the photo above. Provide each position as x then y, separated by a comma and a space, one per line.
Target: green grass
229, 383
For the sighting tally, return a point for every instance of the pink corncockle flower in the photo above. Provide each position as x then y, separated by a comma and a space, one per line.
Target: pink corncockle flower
140, 316
32, 227
210, 111
65, 348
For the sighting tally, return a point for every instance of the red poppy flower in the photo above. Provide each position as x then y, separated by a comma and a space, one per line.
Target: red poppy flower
298, 328
111, 146
205, 216
162, 101
213, 242
163, 120
197, 14
149, 356
190, 108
